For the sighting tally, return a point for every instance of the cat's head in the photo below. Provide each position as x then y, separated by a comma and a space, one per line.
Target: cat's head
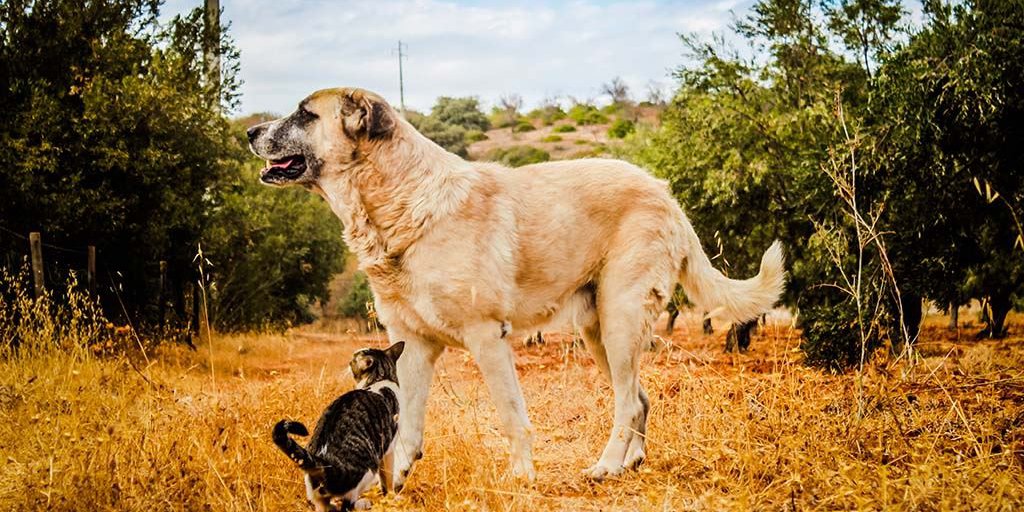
371, 365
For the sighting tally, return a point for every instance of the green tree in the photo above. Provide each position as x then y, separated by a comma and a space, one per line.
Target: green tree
464, 112
107, 128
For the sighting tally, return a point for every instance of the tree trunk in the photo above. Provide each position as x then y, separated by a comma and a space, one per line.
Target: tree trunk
1000, 305
954, 316
739, 336
911, 305
671, 325
708, 329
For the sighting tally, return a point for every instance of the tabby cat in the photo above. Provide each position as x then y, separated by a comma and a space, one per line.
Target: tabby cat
351, 445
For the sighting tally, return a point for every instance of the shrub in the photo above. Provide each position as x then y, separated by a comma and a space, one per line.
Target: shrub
464, 112
360, 296
523, 126
475, 136
449, 136
517, 156
547, 115
552, 138
620, 128
564, 128
584, 114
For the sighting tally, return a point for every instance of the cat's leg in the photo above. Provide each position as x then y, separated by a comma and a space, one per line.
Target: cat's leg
497, 365
386, 468
351, 500
415, 371
316, 494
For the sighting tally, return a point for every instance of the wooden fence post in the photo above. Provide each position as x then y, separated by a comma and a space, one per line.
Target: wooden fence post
90, 270
36, 243
161, 297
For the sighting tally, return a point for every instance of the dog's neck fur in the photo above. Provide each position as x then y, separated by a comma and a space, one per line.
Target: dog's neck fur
389, 198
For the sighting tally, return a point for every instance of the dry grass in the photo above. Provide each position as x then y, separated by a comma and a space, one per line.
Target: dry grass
726, 431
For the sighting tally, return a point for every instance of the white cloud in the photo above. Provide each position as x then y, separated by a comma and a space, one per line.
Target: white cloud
537, 49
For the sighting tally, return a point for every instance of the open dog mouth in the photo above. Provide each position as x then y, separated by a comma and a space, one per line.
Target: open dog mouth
283, 169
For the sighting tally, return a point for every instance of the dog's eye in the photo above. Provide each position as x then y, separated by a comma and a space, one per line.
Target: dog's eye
307, 114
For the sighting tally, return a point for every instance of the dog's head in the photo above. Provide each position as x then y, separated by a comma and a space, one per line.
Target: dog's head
331, 130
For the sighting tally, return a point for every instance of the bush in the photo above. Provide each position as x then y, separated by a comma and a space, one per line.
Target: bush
463, 112
620, 128
563, 128
552, 138
517, 156
475, 136
547, 115
449, 136
360, 297
523, 126
584, 114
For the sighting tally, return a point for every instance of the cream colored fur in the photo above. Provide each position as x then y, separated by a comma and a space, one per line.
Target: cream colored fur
457, 251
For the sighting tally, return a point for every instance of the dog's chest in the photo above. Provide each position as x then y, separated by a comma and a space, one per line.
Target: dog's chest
437, 297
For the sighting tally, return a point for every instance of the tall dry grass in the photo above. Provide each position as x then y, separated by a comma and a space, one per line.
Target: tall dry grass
97, 429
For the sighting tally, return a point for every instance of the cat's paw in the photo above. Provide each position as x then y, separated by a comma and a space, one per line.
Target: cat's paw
362, 504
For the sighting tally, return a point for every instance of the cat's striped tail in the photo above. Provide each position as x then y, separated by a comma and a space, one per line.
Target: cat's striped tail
290, 447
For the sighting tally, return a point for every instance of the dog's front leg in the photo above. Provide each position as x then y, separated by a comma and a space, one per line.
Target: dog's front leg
415, 371
497, 364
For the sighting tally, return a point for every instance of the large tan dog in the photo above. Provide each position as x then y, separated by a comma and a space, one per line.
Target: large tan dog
465, 254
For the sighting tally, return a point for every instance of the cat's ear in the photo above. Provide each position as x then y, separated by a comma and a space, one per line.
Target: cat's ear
360, 363
394, 351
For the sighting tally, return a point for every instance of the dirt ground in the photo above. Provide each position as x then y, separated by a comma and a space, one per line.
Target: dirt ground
184, 430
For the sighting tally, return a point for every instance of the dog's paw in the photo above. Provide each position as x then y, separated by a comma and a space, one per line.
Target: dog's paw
635, 458
524, 471
598, 472
362, 504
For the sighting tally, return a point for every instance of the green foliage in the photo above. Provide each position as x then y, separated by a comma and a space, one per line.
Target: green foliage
475, 136
273, 252
449, 136
743, 144
360, 297
517, 156
620, 128
586, 114
112, 136
563, 128
523, 126
464, 112
922, 134
552, 138
547, 114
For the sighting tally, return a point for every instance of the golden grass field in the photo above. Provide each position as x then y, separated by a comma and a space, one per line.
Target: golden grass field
751, 431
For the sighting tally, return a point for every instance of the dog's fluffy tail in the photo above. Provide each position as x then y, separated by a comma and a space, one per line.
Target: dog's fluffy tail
733, 300
288, 445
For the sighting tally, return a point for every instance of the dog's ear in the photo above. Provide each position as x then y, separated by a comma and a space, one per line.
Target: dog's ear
395, 351
367, 116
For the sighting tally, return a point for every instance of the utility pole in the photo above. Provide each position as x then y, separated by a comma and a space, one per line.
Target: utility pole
401, 79
211, 45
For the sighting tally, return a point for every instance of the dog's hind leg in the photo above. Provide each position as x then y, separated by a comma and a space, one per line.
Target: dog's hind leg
632, 290
415, 371
497, 365
590, 330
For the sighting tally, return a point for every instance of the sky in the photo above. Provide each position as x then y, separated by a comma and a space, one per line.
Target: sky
486, 49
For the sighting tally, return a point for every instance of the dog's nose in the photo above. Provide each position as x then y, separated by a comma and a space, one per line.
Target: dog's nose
253, 132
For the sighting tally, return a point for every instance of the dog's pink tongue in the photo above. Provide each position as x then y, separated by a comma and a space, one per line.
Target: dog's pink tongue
282, 165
